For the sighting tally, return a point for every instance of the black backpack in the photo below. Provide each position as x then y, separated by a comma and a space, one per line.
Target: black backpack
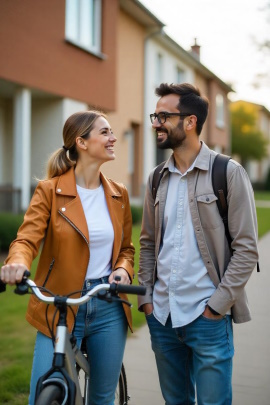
219, 183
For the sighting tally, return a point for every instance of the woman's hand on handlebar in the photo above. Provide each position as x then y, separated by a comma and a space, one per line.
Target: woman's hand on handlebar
122, 273
12, 273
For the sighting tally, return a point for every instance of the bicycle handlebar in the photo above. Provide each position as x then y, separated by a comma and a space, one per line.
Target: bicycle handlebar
22, 288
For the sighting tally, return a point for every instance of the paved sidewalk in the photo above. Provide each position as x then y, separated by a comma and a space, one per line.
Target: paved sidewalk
251, 374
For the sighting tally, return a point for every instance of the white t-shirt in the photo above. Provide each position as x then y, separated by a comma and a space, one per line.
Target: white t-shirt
101, 233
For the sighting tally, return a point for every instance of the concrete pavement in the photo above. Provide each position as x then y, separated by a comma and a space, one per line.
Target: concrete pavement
251, 372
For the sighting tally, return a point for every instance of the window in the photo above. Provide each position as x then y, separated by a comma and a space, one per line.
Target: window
180, 75
219, 111
83, 24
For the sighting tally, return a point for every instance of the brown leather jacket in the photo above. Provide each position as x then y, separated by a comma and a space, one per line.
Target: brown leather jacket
56, 218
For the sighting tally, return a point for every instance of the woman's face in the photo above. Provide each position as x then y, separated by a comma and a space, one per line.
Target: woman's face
100, 144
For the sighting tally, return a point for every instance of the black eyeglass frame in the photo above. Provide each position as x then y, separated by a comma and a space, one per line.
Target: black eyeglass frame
166, 115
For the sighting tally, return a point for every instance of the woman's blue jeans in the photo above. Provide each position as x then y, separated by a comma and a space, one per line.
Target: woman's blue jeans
198, 354
105, 327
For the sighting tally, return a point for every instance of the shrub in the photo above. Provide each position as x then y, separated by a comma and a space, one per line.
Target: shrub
136, 212
9, 224
267, 181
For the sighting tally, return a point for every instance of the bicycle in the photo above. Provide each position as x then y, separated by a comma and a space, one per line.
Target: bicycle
70, 361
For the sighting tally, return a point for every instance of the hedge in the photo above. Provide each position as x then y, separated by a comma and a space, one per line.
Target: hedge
9, 224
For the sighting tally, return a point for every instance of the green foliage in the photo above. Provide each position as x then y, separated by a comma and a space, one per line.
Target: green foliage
248, 141
136, 213
267, 181
9, 224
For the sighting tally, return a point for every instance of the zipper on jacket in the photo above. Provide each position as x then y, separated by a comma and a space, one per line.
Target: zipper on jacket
73, 226
49, 272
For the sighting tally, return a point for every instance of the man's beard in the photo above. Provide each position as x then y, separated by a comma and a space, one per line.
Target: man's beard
175, 138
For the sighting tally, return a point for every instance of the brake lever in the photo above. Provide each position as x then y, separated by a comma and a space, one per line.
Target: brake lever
107, 296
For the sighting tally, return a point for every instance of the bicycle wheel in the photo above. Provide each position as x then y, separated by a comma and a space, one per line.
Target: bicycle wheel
50, 395
121, 394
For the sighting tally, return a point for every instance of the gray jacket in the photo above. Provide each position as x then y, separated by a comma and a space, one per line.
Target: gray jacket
228, 273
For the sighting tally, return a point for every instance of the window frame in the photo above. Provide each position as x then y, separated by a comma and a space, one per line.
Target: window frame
220, 110
80, 16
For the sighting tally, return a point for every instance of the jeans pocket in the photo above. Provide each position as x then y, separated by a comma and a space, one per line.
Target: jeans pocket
212, 319
148, 315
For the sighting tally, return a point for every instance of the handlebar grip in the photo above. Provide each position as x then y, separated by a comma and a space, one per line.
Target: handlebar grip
22, 287
130, 289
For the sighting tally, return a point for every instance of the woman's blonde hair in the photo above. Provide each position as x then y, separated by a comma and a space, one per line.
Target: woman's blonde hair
77, 125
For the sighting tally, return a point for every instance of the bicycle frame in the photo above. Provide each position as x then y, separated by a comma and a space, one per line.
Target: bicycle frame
65, 359
67, 356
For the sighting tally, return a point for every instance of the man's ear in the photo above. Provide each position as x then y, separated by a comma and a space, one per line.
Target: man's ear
191, 122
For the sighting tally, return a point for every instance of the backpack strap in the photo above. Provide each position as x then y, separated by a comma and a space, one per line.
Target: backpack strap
219, 182
156, 179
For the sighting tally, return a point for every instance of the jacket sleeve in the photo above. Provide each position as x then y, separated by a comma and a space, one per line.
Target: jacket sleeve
126, 255
33, 229
147, 247
242, 222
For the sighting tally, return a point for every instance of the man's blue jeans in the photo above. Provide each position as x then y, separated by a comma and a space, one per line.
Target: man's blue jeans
105, 327
198, 354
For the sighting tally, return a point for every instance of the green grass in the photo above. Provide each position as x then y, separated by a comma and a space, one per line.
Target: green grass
262, 195
263, 216
17, 336
138, 317
16, 348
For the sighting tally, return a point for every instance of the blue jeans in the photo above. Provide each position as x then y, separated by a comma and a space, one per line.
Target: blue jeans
105, 327
198, 354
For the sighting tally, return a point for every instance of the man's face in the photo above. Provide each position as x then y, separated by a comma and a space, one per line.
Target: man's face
170, 134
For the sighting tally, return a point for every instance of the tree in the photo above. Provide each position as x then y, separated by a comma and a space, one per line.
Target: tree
248, 141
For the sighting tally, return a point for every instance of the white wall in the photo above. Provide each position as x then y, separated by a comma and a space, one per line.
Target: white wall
48, 118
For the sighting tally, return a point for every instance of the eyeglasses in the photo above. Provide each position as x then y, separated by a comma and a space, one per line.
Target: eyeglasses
162, 116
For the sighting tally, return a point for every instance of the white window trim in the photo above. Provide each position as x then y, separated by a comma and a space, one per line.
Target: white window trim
220, 122
77, 10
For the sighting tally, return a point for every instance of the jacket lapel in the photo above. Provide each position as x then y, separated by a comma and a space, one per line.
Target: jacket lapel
116, 210
72, 209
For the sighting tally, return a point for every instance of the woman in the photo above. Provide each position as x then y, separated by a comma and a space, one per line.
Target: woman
84, 221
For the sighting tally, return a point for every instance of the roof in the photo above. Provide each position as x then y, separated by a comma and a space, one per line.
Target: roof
155, 28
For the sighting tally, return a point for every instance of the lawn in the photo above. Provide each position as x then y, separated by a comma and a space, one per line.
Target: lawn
17, 337
262, 195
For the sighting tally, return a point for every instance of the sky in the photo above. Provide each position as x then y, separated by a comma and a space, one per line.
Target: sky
228, 32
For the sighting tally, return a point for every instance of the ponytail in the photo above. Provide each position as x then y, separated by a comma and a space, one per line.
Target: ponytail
78, 124
58, 163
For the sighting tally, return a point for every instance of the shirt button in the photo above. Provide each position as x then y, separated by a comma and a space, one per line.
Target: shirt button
176, 248
174, 271
63, 209
178, 226
172, 294
59, 190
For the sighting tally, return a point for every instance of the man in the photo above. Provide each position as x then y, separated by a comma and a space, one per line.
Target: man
195, 287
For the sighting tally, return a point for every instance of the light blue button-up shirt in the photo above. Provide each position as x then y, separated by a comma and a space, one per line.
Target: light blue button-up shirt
183, 286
